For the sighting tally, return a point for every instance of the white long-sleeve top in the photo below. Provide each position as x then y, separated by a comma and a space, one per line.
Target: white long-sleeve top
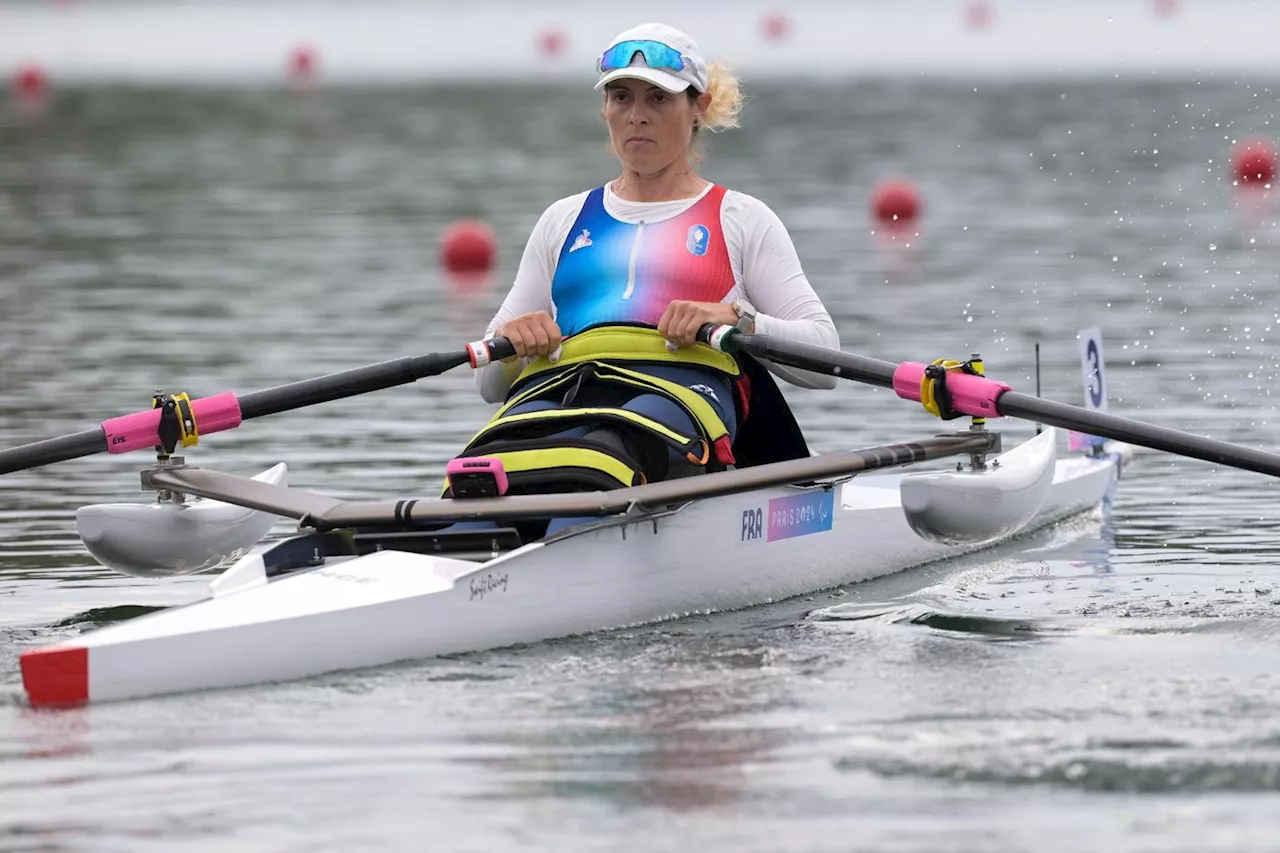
766, 272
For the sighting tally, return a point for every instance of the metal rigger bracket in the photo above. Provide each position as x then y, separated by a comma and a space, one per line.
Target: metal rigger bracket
177, 428
937, 401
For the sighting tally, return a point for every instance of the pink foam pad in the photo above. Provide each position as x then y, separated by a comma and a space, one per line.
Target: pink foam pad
973, 395
463, 469
142, 429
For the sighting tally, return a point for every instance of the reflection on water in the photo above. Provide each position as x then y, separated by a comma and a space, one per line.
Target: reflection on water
680, 746
208, 241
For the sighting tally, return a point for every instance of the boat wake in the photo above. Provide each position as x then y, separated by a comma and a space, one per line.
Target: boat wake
938, 619
97, 617
932, 616
1152, 767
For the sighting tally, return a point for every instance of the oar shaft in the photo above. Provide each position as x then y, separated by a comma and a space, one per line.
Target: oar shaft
846, 365
52, 450
982, 397
348, 383
226, 411
1016, 405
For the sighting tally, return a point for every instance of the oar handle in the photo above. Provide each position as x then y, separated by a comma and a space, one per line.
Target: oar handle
226, 411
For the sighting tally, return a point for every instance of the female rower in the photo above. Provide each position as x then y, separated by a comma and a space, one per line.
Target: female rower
660, 248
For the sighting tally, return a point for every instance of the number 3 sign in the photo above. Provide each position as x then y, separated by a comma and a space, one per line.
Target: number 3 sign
1094, 373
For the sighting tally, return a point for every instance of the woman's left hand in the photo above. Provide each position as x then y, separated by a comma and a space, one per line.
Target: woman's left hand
682, 319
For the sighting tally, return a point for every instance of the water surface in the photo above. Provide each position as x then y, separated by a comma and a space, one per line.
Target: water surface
1107, 684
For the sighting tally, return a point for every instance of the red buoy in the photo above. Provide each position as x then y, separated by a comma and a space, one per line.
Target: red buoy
895, 203
1253, 163
776, 27
552, 42
1166, 8
468, 247
304, 66
30, 86
979, 15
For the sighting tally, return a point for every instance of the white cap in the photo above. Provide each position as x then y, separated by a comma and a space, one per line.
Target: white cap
693, 74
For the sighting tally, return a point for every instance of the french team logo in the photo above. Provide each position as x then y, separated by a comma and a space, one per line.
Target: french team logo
583, 240
698, 240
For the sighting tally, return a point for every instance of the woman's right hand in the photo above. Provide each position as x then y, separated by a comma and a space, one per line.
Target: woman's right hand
531, 334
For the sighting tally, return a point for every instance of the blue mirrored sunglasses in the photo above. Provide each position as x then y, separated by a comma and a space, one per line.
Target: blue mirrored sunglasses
655, 53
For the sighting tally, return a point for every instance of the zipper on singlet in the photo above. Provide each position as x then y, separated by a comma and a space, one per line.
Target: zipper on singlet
635, 255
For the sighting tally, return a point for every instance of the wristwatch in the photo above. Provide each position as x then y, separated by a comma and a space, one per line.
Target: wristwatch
746, 315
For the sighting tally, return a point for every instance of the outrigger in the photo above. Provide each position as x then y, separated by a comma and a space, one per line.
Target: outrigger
370, 583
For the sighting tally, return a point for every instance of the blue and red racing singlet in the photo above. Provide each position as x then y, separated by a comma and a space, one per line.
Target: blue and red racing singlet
618, 272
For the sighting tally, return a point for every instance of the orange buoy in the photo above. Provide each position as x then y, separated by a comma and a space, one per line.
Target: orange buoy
468, 247
30, 85
776, 27
552, 42
1253, 163
979, 15
895, 203
304, 65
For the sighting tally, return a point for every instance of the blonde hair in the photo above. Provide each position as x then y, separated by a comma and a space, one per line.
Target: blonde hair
726, 99
723, 111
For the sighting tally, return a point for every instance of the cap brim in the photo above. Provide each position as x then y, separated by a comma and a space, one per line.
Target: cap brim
662, 79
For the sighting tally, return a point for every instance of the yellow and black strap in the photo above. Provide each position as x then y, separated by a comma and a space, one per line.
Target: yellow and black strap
177, 422
694, 404
934, 395
577, 461
694, 448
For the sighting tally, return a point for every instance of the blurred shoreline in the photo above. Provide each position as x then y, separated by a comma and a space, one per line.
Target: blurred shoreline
146, 41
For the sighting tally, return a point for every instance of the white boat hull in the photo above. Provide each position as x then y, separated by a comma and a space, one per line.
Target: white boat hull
715, 554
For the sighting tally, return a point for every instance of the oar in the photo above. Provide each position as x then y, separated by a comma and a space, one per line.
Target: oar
226, 411
982, 397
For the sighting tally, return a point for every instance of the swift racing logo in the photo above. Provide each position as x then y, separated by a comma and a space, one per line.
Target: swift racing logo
482, 586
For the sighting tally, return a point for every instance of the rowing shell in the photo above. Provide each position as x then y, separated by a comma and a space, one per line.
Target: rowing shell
272, 619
